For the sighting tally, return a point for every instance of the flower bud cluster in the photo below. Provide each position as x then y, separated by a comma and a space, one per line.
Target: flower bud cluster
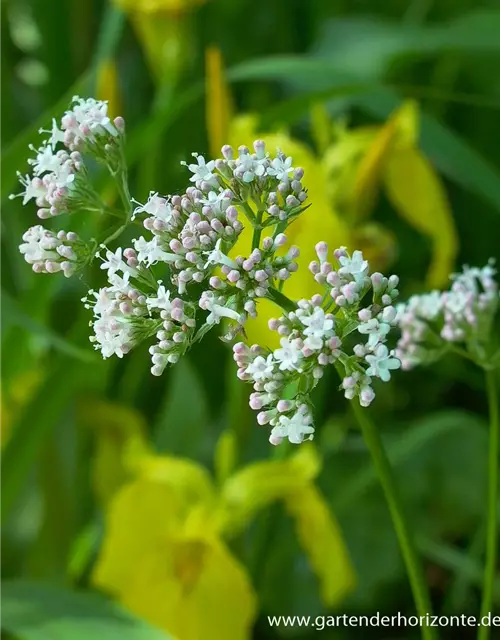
318, 333
50, 252
271, 183
60, 181
432, 322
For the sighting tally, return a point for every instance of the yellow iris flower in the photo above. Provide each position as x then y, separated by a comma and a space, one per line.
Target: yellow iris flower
165, 554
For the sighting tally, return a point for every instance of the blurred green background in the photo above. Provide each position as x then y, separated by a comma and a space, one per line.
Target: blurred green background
329, 75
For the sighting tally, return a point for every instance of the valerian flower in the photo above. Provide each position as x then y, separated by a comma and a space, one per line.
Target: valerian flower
458, 319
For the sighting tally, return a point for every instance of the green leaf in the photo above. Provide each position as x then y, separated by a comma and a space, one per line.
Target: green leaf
182, 423
450, 153
12, 314
38, 611
414, 439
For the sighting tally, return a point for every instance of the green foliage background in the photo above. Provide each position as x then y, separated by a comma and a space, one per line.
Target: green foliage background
360, 58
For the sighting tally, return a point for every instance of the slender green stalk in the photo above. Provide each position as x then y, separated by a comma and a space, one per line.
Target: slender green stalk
257, 231
281, 299
491, 524
406, 542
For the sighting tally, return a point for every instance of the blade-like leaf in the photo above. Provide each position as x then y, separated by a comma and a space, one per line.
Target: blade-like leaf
12, 314
37, 611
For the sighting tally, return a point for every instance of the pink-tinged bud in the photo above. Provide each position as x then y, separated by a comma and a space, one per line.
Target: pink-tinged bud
280, 240
260, 148
284, 405
359, 350
273, 324
255, 402
261, 275
317, 373
247, 265
267, 243
243, 150
119, 123
43, 214
215, 282
364, 315
227, 152
275, 440
177, 314
333, 279
233, 276
176, 246
341, 252
240, 348
291, 201
293, 252
389, 314
323, 359
296, 186
321, 251
283, 330
317, 299
366, 396
340, 301
283, 274
272, 198
378, 281
192, 257
314, 267
129, 253
148, 224
274, 210
298, 174
263, 417
348, 382
231, 214
393, 282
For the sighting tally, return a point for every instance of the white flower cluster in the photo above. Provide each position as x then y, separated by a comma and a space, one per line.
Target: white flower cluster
59, 183
318, 333
463, 314
192, 234
49, 252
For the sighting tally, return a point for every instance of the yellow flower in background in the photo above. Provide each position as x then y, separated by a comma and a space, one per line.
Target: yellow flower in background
162, 30
157, 6
363, 160
165, 555
343, 184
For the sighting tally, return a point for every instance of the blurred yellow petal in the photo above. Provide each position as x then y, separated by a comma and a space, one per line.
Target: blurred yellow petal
418, 195
402, 128
321, 539
139, 520
378, 244
217, 100
120, 437
190, 586
108, 87
163, 40
341, 161
321, 126
157, 6
15, 396
225, 455
189, 481
319, 222
262, 483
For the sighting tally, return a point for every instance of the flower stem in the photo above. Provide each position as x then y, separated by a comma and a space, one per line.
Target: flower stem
281, 299
491, 526
406, 542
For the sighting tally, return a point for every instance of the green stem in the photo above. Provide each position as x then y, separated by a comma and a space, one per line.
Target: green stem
491, 526
406, 542
248, 211
281, 300
257, 231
